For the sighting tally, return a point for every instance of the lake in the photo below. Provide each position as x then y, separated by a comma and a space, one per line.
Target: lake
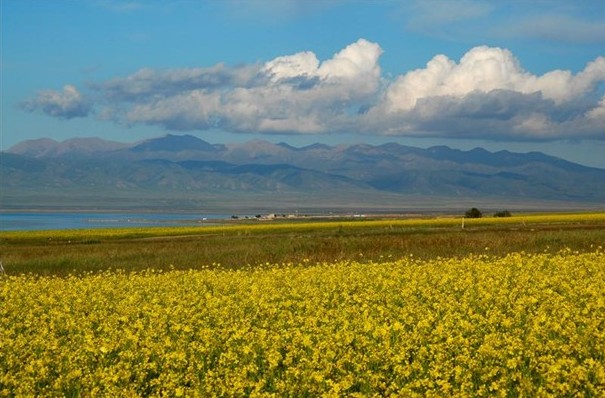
47, 220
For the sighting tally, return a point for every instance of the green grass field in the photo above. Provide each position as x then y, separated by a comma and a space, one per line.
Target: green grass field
240, 245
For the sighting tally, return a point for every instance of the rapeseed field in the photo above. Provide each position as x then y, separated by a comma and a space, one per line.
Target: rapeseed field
477, 326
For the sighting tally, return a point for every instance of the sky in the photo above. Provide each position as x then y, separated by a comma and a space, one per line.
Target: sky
498, 74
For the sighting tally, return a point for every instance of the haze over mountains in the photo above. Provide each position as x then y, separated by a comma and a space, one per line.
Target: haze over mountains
185, 171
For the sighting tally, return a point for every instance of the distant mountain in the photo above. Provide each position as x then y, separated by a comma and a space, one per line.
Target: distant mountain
186, 165
18, 171
46, 147
174, 143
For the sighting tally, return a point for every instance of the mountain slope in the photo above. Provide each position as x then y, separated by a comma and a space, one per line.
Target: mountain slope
189, 165
81, 147
174, 143
25, 172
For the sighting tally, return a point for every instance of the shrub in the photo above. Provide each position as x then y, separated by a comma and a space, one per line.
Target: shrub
473, 213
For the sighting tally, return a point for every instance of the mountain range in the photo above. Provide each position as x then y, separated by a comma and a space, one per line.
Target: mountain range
183, 171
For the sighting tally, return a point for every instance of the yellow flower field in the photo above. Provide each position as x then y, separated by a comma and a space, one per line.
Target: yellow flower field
521, 325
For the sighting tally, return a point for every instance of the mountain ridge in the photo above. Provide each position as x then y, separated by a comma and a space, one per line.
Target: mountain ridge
48, 147
185, 164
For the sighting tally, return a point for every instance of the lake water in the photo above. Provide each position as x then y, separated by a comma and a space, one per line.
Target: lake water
45, 221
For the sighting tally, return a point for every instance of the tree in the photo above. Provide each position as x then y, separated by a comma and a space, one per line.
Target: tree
503, 213
473, 213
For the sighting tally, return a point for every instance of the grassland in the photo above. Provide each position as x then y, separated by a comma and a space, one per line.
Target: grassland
504, 307
242, 244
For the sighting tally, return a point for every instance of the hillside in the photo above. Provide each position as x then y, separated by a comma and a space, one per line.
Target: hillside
176, 167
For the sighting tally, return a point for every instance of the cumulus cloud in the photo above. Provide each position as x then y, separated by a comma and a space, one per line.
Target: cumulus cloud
486, 94
66, 104
294, 93
485, 69
149, 83
598, 113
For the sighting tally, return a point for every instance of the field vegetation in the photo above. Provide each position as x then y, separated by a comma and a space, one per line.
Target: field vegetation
240, 244
506, 307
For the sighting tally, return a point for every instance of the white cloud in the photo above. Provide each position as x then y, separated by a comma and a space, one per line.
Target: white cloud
304, 64
598, 114
294, 93
66, 104
149, 83
486, 94
357, 59
485, 69
190, 111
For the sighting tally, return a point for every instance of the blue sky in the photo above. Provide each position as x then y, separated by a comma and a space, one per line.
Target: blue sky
516, 75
